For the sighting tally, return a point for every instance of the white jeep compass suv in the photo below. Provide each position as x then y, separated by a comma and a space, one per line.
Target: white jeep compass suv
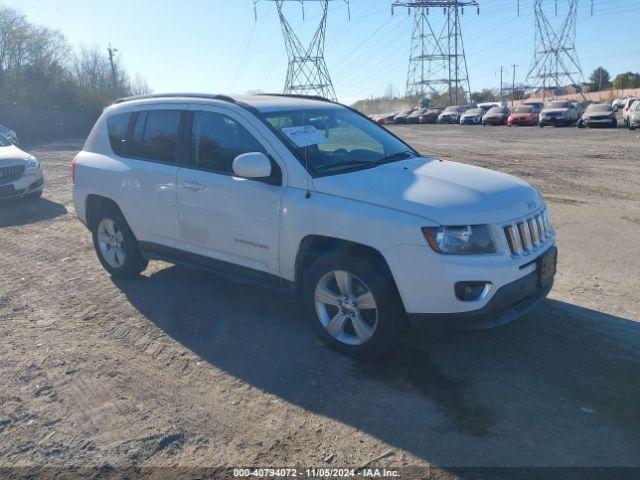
313, 198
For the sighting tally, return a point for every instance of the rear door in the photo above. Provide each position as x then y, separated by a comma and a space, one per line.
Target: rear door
223, 217
150, 168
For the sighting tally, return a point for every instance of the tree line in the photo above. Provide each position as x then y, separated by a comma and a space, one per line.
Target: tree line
39, 70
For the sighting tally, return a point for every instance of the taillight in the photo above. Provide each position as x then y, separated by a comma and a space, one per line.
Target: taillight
73, 171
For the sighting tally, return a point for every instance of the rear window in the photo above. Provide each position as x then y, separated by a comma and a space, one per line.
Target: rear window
155, 135
117, 126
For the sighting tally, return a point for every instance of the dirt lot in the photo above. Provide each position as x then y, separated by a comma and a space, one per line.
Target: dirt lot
181, 368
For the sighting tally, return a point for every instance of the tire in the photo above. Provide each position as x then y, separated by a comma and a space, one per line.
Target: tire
541, 125
580, 124
379, 329
111, 233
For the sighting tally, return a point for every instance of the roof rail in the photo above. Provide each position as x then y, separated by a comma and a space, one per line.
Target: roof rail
293, 95
224, 98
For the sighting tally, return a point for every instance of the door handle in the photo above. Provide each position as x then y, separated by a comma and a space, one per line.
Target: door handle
193, 186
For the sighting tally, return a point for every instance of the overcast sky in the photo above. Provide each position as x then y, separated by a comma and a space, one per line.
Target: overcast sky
217, 46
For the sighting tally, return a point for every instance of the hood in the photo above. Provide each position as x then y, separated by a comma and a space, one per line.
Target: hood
555, 110
447, 193
597, 114
471, 115
522, 115
12, 155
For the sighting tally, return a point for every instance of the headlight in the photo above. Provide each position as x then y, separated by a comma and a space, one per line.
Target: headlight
32, 163
468, 239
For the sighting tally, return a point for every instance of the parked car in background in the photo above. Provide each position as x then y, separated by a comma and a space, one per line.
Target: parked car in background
558, 113
380, 120
375, 236
523, 116
402, 117
618, 103
414, 117
496, 116
389, 117
634, 116
471, 117
535, 105
626, 108
598, 115
451, 114
20, 172
9, 135
430, 116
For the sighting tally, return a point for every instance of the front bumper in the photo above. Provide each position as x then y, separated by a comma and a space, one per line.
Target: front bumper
470, 121
25, 185
609, 122
556, 122
509, 303
521, 122
494, 121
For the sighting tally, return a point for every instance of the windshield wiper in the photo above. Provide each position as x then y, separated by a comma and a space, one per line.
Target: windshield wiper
395, 156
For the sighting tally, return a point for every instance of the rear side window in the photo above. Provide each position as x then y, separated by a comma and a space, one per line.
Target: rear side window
216, 140
155, 135
117, 126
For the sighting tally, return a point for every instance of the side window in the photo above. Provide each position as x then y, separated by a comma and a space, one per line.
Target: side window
155, 135
217, 139
117, 126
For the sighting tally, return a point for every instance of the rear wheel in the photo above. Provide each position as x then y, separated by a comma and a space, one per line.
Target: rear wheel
353, 304
116, 245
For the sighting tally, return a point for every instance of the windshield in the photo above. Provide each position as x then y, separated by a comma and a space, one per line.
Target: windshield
336, 140
473, 111
523, 110
451, 109
558, 104
602, 107
4, 142
496, 110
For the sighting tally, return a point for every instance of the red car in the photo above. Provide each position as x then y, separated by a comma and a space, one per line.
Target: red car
430, 116
523, 116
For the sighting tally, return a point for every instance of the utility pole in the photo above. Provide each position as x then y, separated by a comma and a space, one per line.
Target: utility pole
112, 53
513, 85
501, 85
437, 60
307, 72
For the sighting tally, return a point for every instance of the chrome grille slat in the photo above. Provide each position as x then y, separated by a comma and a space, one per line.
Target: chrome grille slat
10, 174
528, 234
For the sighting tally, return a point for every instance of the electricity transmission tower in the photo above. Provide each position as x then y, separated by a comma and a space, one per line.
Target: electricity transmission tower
437, 61
307, 72
555, 62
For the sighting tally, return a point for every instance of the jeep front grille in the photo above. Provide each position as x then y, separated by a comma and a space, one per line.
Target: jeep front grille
11, 174
529, 234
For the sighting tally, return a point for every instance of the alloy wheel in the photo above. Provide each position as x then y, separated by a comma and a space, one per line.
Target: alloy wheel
346, 307
111, 243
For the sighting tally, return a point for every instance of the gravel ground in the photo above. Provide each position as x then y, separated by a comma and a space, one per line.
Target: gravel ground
181, 368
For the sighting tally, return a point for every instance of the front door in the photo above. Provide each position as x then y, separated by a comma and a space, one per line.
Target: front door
221, 216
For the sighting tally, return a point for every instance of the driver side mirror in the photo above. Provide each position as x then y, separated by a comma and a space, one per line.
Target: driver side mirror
252, 165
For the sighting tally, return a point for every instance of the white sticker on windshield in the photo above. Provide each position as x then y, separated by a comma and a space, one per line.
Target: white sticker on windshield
305, 135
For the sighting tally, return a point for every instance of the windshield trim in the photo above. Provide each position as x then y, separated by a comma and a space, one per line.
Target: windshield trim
300, 158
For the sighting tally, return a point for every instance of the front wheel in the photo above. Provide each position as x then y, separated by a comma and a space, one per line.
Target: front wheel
116, 246
353, 304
